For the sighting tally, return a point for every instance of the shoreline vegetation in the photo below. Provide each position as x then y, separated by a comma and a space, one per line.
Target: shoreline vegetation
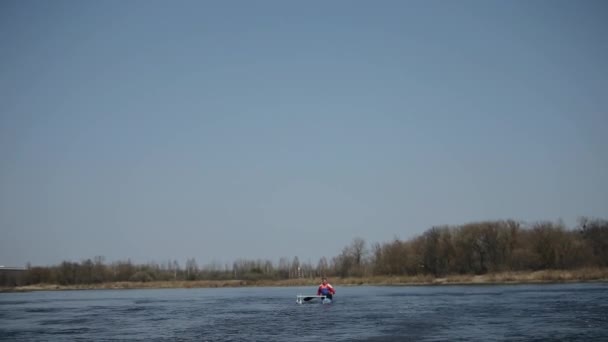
487, 252
499, 278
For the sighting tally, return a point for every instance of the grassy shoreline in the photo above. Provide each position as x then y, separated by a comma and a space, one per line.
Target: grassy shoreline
545, 276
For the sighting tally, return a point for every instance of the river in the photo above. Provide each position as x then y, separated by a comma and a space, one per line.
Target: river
565, 312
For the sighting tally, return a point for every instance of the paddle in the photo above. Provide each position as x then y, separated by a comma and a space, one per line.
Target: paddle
306, 299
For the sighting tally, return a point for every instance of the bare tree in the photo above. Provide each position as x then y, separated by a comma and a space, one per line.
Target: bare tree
284, 268
295, 268
358, 250
322, 267
595, 235
191, 269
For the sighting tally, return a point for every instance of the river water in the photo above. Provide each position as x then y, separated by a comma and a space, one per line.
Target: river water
565, 312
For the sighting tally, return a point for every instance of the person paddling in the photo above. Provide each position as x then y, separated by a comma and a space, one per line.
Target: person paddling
326, 289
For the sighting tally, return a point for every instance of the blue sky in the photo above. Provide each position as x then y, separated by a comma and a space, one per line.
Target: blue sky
158, 130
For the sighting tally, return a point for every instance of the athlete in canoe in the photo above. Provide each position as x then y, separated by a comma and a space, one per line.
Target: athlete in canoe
325, 289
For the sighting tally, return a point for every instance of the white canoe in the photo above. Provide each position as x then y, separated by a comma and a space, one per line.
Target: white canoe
300, 299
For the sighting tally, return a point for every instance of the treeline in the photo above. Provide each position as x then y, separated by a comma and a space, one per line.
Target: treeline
473, 248
478, 248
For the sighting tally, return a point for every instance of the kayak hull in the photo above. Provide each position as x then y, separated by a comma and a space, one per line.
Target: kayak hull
301, 299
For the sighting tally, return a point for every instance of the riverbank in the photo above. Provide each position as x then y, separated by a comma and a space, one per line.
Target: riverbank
545, 276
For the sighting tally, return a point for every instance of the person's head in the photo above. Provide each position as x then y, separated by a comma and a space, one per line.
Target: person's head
324, 280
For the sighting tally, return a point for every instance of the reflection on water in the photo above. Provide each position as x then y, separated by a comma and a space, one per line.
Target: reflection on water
572, 312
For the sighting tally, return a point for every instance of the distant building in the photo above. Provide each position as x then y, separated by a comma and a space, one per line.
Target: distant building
11, 276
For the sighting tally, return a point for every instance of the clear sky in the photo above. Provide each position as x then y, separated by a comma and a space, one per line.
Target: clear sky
158, 130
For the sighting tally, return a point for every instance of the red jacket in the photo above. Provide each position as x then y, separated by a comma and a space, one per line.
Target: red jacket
324, 289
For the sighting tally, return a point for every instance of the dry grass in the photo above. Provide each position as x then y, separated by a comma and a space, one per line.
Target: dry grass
545, 276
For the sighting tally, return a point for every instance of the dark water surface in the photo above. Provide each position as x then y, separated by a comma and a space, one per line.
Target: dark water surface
566, 312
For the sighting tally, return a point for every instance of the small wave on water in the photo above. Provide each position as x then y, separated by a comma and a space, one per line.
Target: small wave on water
43, 310
65, 321
12, 302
